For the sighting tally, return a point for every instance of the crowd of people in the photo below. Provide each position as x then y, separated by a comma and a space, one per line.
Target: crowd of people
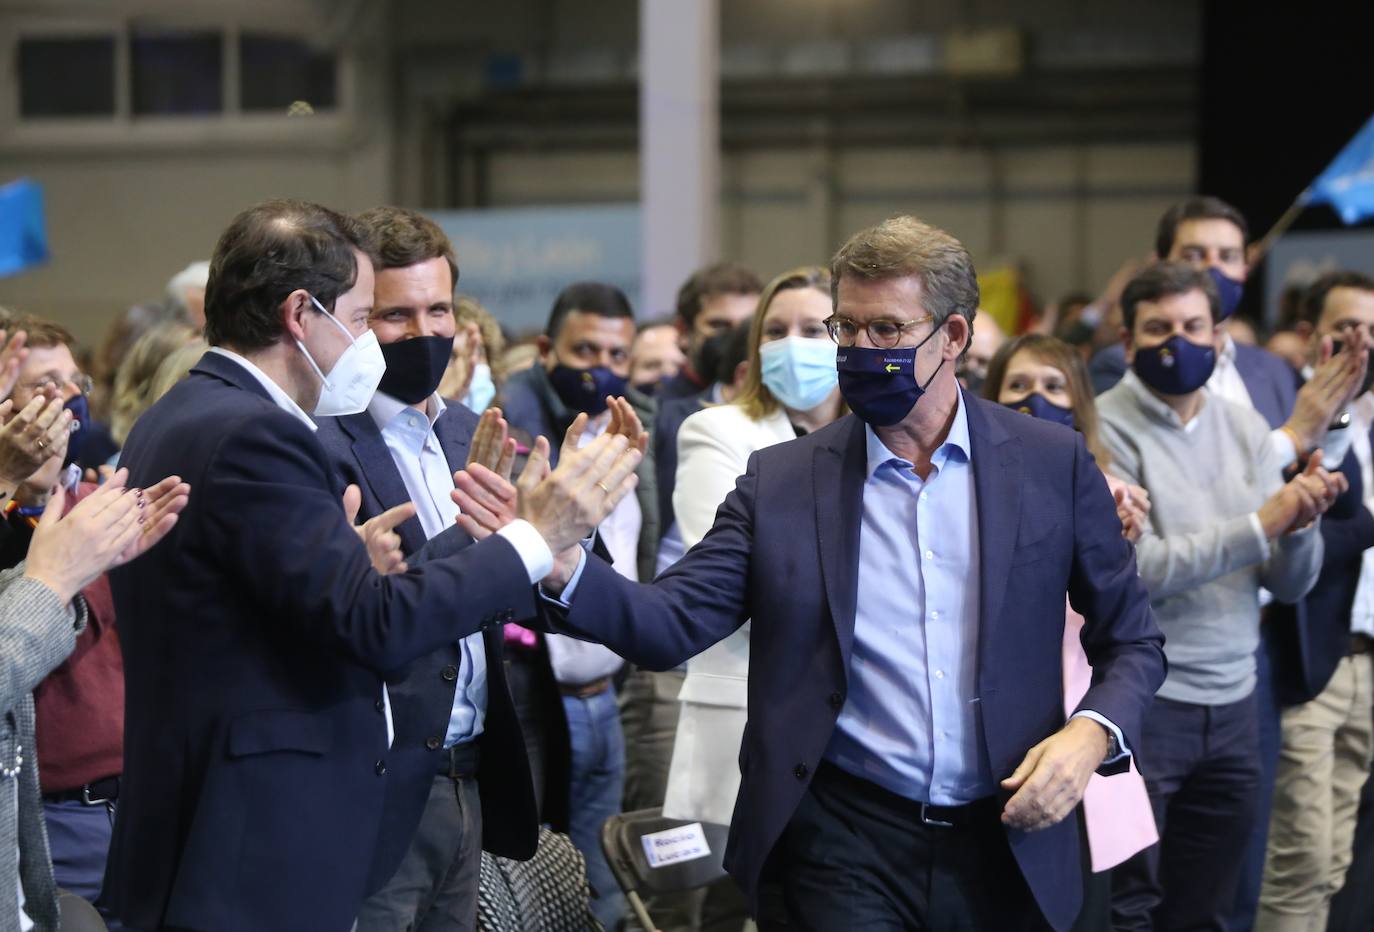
317, 583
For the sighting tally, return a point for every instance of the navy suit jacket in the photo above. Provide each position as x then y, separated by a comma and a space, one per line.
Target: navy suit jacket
1271, 382
784, 551
255, 642
422, 698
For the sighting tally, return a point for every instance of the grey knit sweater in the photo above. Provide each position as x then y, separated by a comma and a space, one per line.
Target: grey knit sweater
37, 632
1203, 556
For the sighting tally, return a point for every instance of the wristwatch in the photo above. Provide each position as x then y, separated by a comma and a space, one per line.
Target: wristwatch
1113, 747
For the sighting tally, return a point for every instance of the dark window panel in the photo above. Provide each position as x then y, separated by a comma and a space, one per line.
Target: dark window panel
67, 76
276, 71
177, 72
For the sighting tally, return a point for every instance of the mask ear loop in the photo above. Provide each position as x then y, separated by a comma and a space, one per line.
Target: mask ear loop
915, 349
311, 359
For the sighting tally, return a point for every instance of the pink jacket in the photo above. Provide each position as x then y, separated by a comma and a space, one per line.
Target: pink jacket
1116, 809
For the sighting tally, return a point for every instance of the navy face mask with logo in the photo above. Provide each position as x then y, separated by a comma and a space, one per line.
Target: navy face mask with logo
1175, 367
586, 389
879, 385
1037, 405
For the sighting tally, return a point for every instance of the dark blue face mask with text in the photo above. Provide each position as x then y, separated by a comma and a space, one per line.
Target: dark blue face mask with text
879, 385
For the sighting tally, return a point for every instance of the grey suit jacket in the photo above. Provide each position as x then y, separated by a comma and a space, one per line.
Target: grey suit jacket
37, 632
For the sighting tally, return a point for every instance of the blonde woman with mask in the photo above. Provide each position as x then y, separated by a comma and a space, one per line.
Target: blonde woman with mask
791, 389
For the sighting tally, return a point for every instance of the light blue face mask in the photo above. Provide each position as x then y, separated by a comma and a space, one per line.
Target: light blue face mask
481, 390
799, 371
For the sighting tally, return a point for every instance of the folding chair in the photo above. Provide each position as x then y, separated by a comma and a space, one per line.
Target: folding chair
622, 839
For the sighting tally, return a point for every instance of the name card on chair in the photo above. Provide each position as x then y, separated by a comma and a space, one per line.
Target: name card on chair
675, 845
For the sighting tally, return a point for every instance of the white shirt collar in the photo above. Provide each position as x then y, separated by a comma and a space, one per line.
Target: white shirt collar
384, 408
1228, 349
279, 397
958, 438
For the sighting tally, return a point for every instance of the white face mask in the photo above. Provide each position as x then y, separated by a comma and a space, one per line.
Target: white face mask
354, 377
482, 390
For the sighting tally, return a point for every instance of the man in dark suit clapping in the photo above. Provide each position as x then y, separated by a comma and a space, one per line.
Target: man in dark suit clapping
256, 642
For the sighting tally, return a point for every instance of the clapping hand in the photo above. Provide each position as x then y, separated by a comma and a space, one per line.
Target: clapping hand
488, 501
106, 529
626, 423
1132, 507
492, 446
31, 437
1335, 382
563, 505
12, 356
1302, 500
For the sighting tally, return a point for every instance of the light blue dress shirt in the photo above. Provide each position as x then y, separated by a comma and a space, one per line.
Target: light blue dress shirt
911, 722
428, 478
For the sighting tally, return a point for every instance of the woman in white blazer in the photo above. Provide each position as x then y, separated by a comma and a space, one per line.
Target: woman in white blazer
790, 389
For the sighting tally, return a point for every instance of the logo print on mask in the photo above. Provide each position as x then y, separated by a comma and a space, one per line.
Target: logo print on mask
1166, 358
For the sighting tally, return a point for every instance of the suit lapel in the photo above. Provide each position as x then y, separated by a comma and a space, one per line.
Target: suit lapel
839, 470
454, 442
997, 471
379, 470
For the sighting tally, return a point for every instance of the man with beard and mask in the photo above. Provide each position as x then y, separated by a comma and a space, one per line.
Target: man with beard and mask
584, 357
455, 782
1223, 524
257, 642
907, 762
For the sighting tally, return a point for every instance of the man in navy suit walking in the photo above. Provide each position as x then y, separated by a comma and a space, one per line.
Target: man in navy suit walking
256, 642
907, 762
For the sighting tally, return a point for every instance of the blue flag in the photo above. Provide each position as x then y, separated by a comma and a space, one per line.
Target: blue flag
1348, 182
23, 235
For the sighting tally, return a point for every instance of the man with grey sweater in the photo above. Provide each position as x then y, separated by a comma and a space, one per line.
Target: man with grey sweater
1223, 524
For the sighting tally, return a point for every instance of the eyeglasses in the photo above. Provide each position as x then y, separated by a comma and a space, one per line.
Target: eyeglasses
882, 333
84, 384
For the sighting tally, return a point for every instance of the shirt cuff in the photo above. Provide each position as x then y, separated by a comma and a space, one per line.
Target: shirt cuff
564, 599
1335, 445
530, 547
1283, 447
1102, 720
1260, 535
